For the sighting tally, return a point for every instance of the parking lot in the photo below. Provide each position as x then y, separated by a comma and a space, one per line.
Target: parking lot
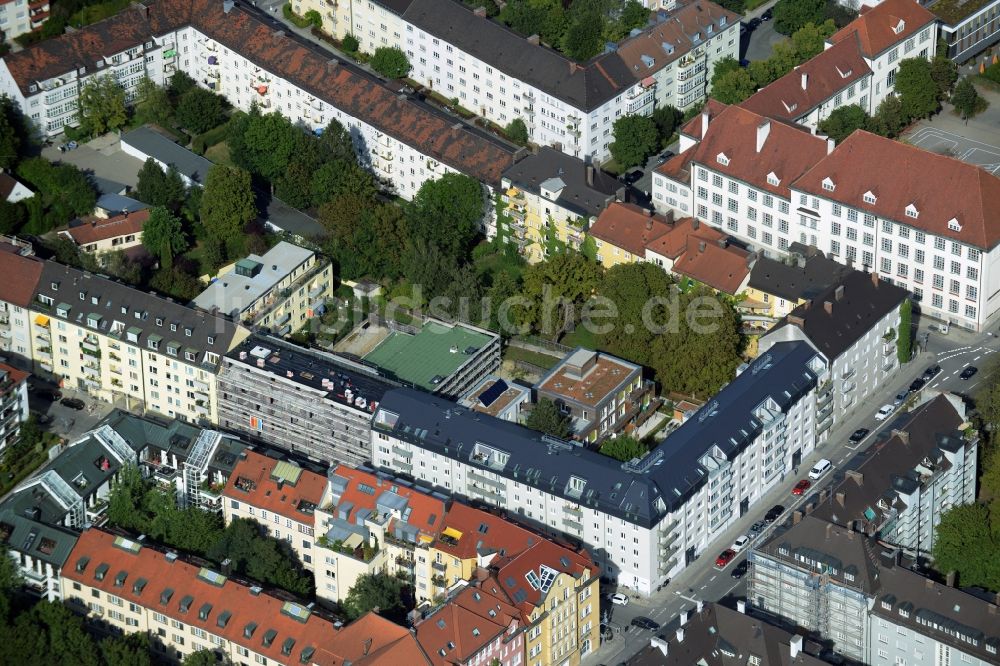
103, 159
948, 143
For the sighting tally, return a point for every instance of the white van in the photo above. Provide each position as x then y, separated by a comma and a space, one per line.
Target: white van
819, 469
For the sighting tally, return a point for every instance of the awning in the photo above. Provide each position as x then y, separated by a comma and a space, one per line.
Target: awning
169, 53
262, 90
647, 82
212, 60
42, 320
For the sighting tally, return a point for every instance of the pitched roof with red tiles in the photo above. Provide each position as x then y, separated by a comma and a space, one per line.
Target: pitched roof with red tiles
425, 512
787, 151
629, 227
21, 277
683, 233
692, 128
7, 185
256, 481
345, 86
721, 266
917, 177
13, 376
95, 229
470, 621
372, 640
468, 531
144, 576
523, 576
876, 26
678, 167
811, 84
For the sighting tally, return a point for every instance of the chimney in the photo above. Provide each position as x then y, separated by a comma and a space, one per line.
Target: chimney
647, 212
704, 123
828, 306
480, 12
684, 617
796, 517
929, 584
700, 605
829, 528
649, 223
856, 476
701, 246
590, 175
741, 606
875, 278
695, 223
658, 643
227, 6
795, 645
805, 80
680, 634
533, 39
838, 293
573, 67
949, 579
841, 496
830, 145
763, 130
796, 320
904, 436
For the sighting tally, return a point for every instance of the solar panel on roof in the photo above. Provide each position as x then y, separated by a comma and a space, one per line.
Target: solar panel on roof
490, 395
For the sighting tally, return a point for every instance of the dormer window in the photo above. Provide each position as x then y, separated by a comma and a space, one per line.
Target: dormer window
911, 211
772, 179
83, 295
869, 197
828, 185
722, 159
953, 225
899, 26
55, 286
159, 321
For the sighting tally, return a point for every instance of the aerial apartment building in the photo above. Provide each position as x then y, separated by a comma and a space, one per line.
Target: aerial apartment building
13, 404
642, 521
20, 16
772, 185
501, 75
234, 51
16, 298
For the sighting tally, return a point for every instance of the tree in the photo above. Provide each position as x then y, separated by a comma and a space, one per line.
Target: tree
447, 212
888, 119
180, 83
53, 633
11, 131
314, 18
228, 205
157, 188
200, 110
790, 15
733, 87
843, 122
375, 592
636, 138
667, 120
556, 290
102, 105
966, 99
64, 192
517, 131
966, 542
723, 67
904, 341
944, 71
163, 236
916, 89
584, 36
12, 217
808, 41
152, 102
633, 15
623, 448
350, 43
546, 417
204, 657
127, 650
390, 62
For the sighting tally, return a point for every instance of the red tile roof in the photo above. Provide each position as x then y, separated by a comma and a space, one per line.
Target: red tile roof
722, 267
692, 128
212, 593
345, 86
252, 483
14, 375
629, 227
372, 640
96, 229
876, 27
481, 529
472, 620
511, 571
811, 84
22, 276
917, 177
678, 167
682, 234
426, 512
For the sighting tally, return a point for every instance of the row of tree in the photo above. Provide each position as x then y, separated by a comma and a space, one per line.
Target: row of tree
792, 15
636, 138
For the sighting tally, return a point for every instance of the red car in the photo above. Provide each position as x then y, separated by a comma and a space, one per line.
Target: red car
725, 558
801, 487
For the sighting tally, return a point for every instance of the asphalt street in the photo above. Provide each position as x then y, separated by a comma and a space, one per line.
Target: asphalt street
702, 581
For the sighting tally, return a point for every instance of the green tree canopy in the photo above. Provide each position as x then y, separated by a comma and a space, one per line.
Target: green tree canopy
390, 62
163, 235
667, 119
545, 18
916, 88
228, 205
375, 591
446, 212
966, 542
623, 448
843, 121
102, 105
904, 338
636, 138
200, 110
12, 216
723, 67
350, 43
546, 417
556, 291
201, 658
944, 72
517, 131
64, 192
127, 650
179, 84
152, 102
584, 38
888, 119
12, 131
966, 99
733, 87
159, 188
790, 15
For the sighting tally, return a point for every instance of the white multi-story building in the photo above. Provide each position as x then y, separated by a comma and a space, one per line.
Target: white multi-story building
20, 16
771, 185
13, 403
232, 50
643, 521
16, 297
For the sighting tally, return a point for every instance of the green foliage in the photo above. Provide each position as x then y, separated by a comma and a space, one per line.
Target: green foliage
298, 21
843, 122
204, 657
790, 15
228, 205
517, 131
163, 235
180, 83
63, 192
556, 290
152, 102
314, 19
723, 67
633, 15
546, 417
636, 138
206, 140
584, 38
916, 89
180, 285
128, 650
733, 87
966, 541
545, 18
623, 448
490, 6
12, 130
446, 212
199, 110
967, 100
390, 62
808, 41
944, 71
888, 119
993, 73
375, 591
904, 341
667, 120
157, 188
350, 43
49, 632
102, 105
12, 217
366, 239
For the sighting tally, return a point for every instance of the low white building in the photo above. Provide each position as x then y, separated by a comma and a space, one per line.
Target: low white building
643, 521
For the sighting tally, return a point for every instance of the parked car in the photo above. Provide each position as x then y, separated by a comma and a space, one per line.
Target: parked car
667, 154
724, 558
739, 570
644, 622
932, 372
753, 23
768, 15
969, 371
883, 413
619, 599
917, 384
774, 513
631, 176
740, 543
801, 487
900, 398
757, 528
820, 469
51, 396
859, 435
73, 403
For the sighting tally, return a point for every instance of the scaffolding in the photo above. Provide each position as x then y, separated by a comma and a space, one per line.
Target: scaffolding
196, 464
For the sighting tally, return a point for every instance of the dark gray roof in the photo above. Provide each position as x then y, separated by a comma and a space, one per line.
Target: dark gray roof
890, 468
49, 543
123, 308
155, 145
720, 636
584, 86
640, 493
289, 219
865, 300
579, 197
118, 203
803, 279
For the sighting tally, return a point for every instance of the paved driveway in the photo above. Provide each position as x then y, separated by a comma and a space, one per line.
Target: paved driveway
103, 159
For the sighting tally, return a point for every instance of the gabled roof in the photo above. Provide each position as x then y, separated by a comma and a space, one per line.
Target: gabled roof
876, 26
372, 640
805, 278
21, 277
918, 177
584, 195
7, 185
719, 265
150, 142
276, 486
812, 83
94, 229
356, 492
523, 576
692, 128
682, 234
470, 621
629, 227
468, 532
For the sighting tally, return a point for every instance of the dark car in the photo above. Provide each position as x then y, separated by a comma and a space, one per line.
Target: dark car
72, 403
51, 396
917, 384
667, 154
757, 527
767, 16
753, 23
632, 176
739, 570
774, 513
645, 623
859, 435
969, 371
932, 371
